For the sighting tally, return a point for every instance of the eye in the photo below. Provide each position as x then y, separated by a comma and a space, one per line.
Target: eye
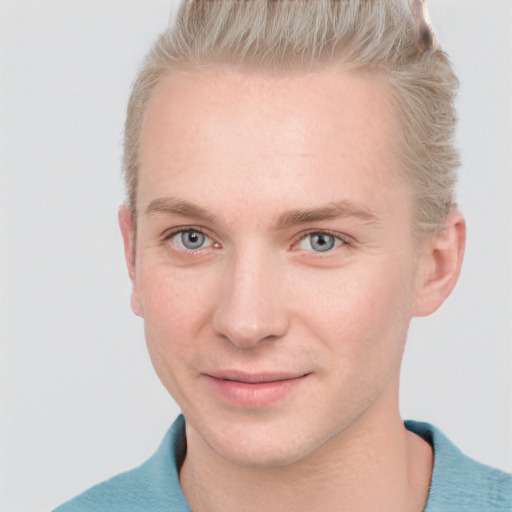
190, 240
320, 242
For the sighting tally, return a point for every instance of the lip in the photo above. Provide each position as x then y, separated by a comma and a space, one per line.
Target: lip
252, 390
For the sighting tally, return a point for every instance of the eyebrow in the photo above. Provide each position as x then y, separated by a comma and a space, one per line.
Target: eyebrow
176, 206
329, 211
332, 210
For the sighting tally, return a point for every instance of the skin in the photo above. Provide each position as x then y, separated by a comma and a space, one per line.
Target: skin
256, 163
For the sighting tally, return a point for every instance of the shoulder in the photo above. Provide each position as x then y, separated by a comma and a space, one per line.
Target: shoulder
153, 487
459, 483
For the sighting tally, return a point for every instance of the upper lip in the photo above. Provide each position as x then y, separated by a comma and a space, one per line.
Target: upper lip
255, 378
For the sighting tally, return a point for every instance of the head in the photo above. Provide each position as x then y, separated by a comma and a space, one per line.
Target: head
289, 168
297, 36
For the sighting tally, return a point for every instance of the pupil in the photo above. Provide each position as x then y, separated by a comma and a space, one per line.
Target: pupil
322, 242
192, 239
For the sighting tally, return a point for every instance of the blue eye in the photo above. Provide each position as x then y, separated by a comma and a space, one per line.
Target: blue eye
190, 240
320, 242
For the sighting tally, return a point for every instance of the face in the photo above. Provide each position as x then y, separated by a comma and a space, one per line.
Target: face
274, 260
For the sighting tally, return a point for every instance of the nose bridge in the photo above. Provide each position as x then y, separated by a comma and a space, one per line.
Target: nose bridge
250, 306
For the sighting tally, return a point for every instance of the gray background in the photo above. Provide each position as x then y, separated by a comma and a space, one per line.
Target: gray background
79, 399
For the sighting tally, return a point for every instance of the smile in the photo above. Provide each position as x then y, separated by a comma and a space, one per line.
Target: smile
252, 390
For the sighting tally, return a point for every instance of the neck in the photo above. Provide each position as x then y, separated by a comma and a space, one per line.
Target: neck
374, 465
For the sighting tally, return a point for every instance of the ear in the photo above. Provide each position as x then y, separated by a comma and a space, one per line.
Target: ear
127, 226
440, 264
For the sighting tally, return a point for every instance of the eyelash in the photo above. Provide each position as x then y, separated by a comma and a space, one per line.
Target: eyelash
345, 241
189, 229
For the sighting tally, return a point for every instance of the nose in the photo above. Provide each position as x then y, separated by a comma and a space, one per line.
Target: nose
250, 308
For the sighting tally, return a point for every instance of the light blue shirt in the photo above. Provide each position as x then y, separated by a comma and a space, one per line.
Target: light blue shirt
459, 484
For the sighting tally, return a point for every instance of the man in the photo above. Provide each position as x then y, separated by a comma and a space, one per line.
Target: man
290, 172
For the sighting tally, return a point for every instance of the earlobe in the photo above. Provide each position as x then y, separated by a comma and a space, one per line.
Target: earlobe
440, 265
127, 227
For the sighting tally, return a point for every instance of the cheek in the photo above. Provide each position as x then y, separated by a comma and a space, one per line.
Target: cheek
176, 308
175, 304
357, 310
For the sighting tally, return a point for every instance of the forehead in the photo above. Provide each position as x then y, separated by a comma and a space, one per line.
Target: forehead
318, 137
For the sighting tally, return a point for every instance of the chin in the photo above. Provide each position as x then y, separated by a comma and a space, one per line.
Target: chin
262, 444
261, 455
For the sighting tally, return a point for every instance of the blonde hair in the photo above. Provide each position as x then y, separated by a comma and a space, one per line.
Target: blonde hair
291, 35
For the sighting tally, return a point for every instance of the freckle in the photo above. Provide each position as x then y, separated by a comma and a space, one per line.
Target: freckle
425, 37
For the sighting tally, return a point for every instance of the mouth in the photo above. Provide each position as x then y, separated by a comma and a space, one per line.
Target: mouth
253, 390
255, 378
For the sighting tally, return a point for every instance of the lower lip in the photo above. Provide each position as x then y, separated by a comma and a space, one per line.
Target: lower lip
252, 395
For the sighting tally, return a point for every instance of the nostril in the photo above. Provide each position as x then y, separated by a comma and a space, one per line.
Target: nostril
247, 328
246, 335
